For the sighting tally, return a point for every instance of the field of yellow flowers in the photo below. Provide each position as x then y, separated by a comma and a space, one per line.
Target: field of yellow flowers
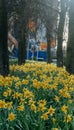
36, 96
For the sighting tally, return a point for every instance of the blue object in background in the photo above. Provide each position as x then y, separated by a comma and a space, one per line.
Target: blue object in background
16, 54
41, 55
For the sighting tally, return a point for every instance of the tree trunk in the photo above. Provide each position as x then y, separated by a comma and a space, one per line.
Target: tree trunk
49, 27
48, 45
60, 34
70, 47
22, 44
4, 59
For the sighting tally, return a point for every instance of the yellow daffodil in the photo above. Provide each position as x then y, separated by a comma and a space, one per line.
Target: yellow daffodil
44, 116
33, 107
55, 129
2, 104
11, 116
56, 98
68, 118
51, 110
20, 108
9, 105
64, 108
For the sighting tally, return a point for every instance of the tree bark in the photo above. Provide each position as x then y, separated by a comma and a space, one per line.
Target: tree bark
70, 47
22, 43
48, 46
60, 34
49, 27
4, 59
51, 24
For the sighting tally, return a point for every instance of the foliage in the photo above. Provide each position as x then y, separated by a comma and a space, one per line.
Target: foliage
36, 96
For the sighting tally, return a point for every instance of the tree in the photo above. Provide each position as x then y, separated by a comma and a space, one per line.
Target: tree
48, 35
50, 25
4, 59
22, 43
21, 33
60, 33
18, 8
24, 10
70, 47
33, 9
